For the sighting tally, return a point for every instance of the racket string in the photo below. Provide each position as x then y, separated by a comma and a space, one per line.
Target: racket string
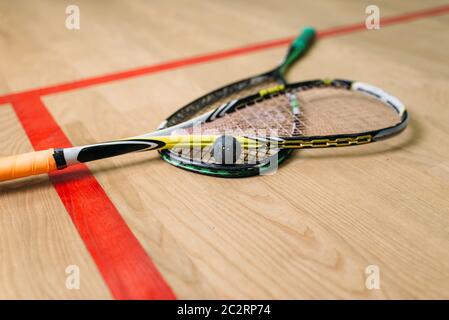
204, 154
301, 112
330, 111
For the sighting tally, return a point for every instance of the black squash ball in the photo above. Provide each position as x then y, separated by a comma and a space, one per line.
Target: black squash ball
226, 150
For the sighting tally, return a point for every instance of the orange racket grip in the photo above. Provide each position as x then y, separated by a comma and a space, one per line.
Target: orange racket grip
27, 164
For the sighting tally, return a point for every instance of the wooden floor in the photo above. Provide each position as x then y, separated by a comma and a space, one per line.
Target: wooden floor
308, 231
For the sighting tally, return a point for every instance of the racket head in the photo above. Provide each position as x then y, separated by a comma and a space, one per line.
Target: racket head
203, 163
230, 92
328, 109
310, 114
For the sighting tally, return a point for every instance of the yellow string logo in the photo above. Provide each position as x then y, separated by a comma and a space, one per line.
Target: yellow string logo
271, 90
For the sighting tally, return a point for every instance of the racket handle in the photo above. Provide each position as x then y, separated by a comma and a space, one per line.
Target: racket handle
298, 47
304, 40
27, 164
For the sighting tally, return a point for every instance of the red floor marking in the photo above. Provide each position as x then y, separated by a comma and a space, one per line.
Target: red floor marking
125, 266
176, 64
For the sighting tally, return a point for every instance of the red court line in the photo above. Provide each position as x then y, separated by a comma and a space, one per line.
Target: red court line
125, 266
176, 64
